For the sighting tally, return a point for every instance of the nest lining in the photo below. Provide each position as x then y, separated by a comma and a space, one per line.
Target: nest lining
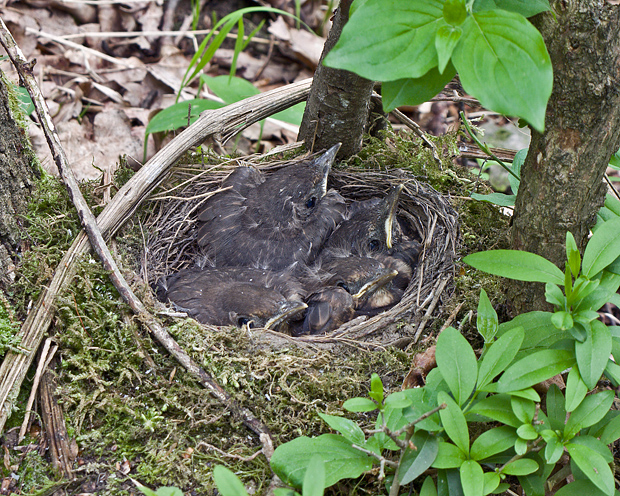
423, 212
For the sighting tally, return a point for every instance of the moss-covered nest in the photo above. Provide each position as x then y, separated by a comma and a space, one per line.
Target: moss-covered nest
423, 212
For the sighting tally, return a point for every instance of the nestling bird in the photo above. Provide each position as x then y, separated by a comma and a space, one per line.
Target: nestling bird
235, 296
275, 222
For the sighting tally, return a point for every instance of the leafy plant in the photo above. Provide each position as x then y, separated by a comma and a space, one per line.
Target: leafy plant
430, 427
490, 43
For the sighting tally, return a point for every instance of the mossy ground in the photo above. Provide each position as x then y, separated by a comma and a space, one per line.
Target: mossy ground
136, 413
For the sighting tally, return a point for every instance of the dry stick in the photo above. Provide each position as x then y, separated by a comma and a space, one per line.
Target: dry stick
226, 121
101, 249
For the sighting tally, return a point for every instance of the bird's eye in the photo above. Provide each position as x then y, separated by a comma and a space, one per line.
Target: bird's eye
243, 321
374, 245
343, 285
311, 202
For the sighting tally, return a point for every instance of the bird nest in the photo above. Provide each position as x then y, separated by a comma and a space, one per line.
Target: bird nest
423, 212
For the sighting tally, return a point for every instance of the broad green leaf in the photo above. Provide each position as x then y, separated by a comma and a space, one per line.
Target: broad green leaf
292, 115
428, 488
580, 488
593, 353
486, 320
535, 368
612, 372
520, 446
342, 461
472, 478
524, 409
527, 8
493, 441
376, 47
457, 363
555, 296
228, 484
514, 264
593, 465
582, 288
176, 116
596, 445
415, 462
499, 355
360, 405
448, 456
606, 291
553, 450
572, 254
602, 248
398, 399
522, 466
349, 429
421, 403
499, 199
562, 320
502, 60
576, 390
445, 40
592, 409
527, 432
611, 432
230, 89
414, 91
580, 331
449, 483
314, 480
454, 421
496, 407
454, 12
611, 202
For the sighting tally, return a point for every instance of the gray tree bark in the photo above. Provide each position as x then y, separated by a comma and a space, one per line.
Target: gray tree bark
562, 184
337, 108
17, 178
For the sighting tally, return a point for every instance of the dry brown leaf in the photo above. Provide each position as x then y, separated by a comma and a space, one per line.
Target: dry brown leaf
296, 43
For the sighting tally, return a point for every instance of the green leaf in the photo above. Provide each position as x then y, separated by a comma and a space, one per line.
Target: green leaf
593, 353
230, 89
499, 355
314, 480
554, 295
342, 461
612, 372
611, 432
292, 115
486, 320
453, 420
614, 161
415, 462
580, 488
535, 368
491, 483
496, 407
445, 40
228, 484
456, 361
576, 390
602, 249
176, 116
448, 456
502, 60
553, 450
414, 91
522, 466
592, 409
349, 429
428, 488
472, 478
555, 408
360, 405
524, 409
493, 441
454, 12
609, 284
527, 8
514, 264
596, 445
572, 254
499, 199
377, 48
24, 100
562, 320
527, 432
517, 163
376, 388
593, 465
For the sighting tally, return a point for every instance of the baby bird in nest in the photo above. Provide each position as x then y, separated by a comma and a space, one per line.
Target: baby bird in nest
272, 221
236, 296
340, 286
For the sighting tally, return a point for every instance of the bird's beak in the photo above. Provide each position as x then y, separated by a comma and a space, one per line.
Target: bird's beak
287, 310
378, 282
323, 165
391, 206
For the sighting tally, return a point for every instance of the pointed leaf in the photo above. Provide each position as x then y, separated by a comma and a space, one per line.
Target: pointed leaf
349, 429
456, 361
375, 47
524, 409
314, 480
502, 60
514, 264
580, 488
415, 462
493, 441
496, 407
428, 488
360, 405
228, 484
472, 478
448, 456
454, 421
499, 355
555, 408
523, 466
572, 254
592, 409
602, 248
445, 40
576, 390
486, 320
535, 368
593, 353
499, 199
593, 465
